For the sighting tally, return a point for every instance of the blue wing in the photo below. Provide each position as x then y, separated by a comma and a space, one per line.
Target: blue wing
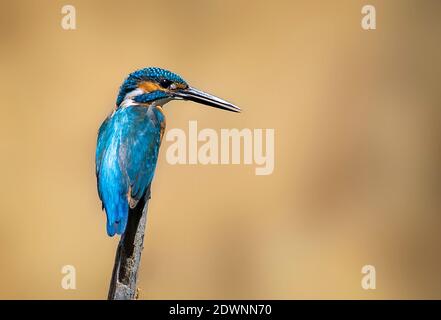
126, 155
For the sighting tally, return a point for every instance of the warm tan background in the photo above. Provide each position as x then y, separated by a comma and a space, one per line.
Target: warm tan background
357, 173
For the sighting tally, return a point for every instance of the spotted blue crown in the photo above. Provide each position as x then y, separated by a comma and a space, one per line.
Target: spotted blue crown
146, 74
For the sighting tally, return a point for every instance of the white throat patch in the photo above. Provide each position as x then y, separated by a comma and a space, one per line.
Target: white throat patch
128, 99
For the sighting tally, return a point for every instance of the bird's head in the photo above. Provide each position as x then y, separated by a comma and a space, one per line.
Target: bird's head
158, 86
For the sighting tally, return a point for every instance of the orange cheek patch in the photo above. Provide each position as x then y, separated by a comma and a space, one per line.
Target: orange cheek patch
181, 86
149, 86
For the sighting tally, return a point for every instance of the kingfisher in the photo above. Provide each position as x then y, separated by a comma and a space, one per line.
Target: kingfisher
129, 139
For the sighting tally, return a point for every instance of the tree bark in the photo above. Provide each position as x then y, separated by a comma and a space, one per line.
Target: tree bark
128, 255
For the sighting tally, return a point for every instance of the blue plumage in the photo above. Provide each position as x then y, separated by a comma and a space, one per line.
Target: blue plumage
126, 156
129, 139
154, 74
151, 96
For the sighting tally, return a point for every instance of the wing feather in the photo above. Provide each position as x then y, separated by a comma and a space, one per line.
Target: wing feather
126, 156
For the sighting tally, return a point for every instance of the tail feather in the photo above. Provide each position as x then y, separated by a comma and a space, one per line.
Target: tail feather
117, 214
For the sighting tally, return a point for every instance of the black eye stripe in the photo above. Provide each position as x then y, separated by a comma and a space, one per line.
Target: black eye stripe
165, 83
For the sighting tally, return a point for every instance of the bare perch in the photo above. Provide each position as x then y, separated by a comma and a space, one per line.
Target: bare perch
128, 255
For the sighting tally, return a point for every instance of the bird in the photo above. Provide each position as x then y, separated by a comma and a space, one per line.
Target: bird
130, 137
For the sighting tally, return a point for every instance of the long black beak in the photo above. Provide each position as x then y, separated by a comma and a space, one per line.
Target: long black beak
198, 96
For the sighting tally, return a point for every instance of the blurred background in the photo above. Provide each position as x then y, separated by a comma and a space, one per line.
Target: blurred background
357, 148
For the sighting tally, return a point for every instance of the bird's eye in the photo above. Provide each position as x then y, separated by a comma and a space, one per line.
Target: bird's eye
165, 83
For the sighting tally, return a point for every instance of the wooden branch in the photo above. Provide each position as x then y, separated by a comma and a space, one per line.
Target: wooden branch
128, 255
